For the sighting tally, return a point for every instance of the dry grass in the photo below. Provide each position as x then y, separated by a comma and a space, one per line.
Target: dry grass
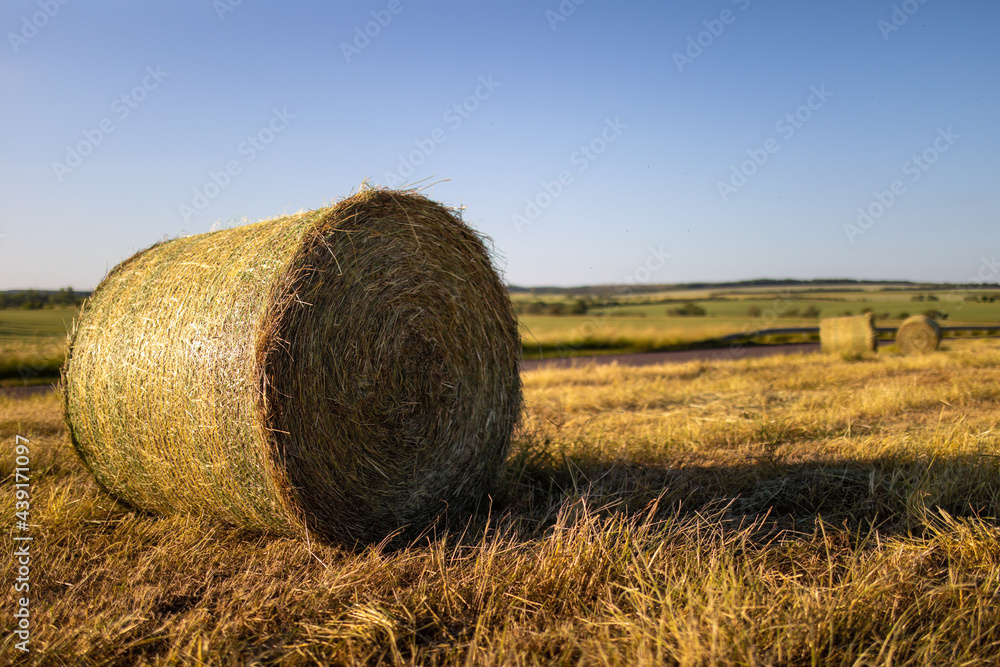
591, 335
26, 361
349, 372
799, 510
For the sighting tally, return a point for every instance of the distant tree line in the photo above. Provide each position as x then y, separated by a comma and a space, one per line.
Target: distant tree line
36, 300
818, 284
809, 311
687, 310
574, 307
973, 298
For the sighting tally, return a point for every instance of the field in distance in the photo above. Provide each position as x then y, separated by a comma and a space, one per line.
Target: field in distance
581, 322
33, 344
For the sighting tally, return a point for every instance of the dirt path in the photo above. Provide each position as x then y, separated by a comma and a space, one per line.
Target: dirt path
644, 359
679, 357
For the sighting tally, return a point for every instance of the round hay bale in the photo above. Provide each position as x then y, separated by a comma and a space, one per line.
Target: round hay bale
348, 371
918, 335
849, 336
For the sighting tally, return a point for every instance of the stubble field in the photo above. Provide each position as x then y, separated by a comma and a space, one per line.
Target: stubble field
790, 510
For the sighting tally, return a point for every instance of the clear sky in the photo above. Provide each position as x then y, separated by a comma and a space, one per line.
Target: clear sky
593, 141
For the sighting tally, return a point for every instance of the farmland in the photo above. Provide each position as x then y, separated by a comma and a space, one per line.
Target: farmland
500, 333
32, 341
644, 322
32, 344
789, 510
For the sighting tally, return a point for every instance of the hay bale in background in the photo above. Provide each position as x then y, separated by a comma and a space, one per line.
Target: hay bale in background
918, 335
850, 336
346, 371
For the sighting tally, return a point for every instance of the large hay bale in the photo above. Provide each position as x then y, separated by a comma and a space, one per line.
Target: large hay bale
918, 335
849, 336
346, 371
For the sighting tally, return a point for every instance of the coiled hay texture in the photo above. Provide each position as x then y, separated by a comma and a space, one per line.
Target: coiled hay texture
347, 372
849, 336
918, 335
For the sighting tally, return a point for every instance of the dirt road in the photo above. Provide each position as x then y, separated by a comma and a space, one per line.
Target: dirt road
644, 359
679, 357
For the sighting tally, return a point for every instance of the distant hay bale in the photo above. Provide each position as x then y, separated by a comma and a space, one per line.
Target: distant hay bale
348, 371
851, 336
918, 335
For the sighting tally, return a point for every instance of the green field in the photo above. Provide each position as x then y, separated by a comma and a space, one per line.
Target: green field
33, 344
21, 325
736, 304
629, 323
641, 322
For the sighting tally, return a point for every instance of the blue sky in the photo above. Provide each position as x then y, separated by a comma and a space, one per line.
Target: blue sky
739, 137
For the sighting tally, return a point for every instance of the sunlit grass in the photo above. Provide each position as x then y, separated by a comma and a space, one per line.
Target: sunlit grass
27, 361
792, 510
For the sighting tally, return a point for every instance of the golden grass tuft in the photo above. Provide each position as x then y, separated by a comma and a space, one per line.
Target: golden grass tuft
918, 335
848, 336
348, 372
